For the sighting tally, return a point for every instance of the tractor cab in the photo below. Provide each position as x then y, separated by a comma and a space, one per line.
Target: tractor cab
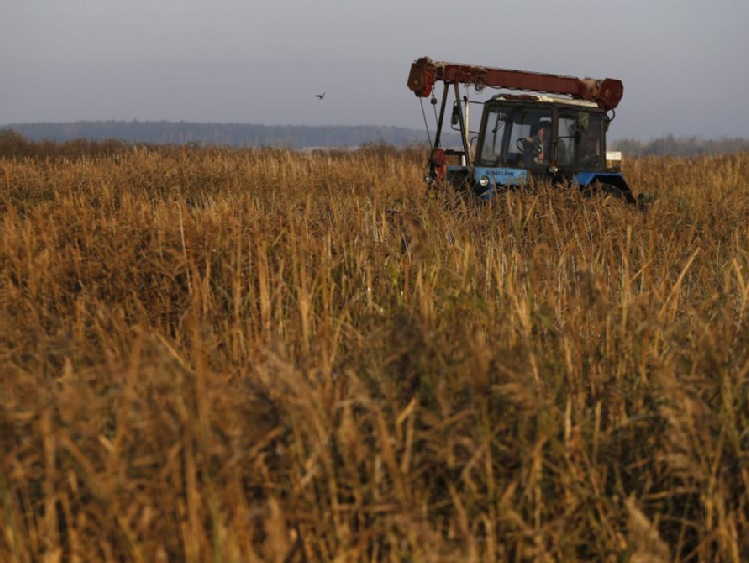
548, 138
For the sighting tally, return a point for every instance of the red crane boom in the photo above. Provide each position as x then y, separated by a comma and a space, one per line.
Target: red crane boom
425, 72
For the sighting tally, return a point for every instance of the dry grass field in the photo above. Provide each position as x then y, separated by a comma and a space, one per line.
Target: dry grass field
262, 355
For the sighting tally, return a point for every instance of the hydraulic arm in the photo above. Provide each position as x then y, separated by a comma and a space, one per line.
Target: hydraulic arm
425, 72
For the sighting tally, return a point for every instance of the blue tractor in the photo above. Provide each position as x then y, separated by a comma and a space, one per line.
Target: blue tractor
553, 132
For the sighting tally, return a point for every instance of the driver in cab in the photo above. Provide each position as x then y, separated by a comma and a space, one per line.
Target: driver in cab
541, 143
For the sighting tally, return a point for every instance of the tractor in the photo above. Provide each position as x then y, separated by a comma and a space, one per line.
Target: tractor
537, 128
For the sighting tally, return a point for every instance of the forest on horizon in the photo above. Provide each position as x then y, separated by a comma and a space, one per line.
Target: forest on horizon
306, 137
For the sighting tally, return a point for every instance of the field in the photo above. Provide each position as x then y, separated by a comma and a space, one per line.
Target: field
263, 355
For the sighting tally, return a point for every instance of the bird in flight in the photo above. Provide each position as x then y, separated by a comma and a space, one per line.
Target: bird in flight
320, 96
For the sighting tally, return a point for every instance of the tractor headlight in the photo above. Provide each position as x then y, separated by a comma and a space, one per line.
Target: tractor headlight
484, 181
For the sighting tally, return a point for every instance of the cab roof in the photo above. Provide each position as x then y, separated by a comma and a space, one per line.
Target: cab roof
544, 98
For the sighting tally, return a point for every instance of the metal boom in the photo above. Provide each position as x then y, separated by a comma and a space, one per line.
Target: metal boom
425, 72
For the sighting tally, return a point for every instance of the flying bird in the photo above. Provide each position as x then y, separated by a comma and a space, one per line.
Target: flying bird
320, 96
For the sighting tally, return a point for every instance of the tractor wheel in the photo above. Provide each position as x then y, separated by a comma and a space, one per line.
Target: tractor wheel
616, 192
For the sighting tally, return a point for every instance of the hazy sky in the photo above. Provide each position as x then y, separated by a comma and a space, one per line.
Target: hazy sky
684, 63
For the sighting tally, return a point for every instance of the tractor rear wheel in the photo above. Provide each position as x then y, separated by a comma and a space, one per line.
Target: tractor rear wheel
616, 192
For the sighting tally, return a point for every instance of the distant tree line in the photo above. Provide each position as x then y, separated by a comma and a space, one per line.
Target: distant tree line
220, 134
685, 146
15, 145
105, 135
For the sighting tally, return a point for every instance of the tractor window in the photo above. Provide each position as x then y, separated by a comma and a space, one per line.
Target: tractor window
496, 120
515, 129
592, 145
525, 147
566, 139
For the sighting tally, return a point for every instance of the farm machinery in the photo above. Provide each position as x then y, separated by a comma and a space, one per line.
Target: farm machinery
548, 128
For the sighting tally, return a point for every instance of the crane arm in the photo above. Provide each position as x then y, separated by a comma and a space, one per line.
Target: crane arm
425, 72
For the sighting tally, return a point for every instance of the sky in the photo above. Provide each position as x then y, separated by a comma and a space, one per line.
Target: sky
684, 63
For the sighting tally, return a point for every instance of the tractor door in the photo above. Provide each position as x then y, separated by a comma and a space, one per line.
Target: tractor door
511, 139
528, 139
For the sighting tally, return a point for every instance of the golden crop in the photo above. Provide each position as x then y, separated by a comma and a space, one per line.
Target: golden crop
266, 355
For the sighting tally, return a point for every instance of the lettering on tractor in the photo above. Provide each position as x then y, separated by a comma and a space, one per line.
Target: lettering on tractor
555, 131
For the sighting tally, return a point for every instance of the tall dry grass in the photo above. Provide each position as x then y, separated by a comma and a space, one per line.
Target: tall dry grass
263, 355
